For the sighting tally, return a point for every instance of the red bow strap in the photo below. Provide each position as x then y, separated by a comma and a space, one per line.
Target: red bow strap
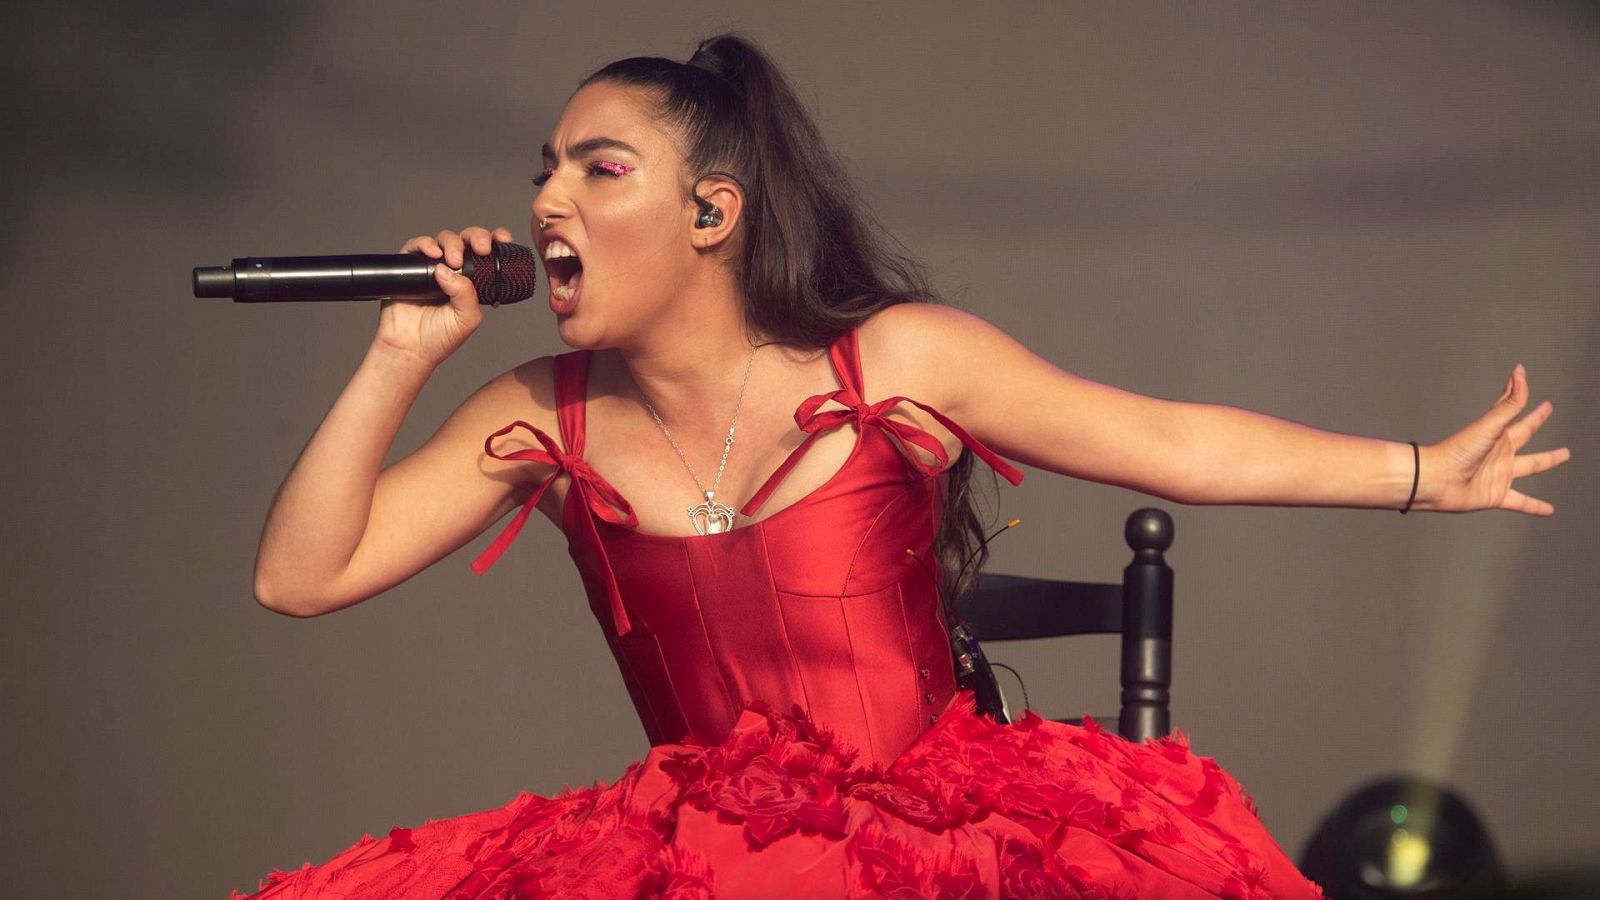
813, 422
809, 420
596, 492
1007, 471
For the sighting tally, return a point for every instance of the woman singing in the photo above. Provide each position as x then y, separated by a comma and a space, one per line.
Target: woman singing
760, 451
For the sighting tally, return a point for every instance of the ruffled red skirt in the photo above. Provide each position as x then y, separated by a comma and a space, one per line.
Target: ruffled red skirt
780, 809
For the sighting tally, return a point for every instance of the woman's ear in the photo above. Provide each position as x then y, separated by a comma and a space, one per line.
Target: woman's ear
718, 213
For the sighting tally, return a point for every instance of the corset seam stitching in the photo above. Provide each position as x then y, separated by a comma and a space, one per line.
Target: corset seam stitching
855, 676
855, 554
911, 652
629, 676
672, 687
783, 621
855, 670
705, 630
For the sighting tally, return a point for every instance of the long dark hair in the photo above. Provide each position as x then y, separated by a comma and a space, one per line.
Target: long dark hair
813, 263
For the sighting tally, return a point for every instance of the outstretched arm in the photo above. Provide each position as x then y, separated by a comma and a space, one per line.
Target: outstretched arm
1196, 453
1256, 459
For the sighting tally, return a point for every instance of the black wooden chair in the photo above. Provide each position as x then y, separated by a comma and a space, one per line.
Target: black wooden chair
1013, 607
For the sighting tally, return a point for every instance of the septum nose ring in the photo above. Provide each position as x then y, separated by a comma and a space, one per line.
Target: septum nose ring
543, 224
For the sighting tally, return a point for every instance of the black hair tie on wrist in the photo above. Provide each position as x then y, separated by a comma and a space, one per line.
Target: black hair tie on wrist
1415, 475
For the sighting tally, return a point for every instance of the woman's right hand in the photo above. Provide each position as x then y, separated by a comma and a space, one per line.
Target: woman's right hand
431, 331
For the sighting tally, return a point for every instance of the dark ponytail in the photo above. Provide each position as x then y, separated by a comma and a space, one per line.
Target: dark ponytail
813, 264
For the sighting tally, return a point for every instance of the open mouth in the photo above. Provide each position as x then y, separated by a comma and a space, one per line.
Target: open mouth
566, 274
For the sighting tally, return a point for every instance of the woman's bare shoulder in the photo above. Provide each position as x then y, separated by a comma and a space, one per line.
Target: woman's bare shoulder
525, 393
909, 348
918, 316
532, 382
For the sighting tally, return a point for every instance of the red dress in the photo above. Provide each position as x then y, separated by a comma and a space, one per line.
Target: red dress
808, 740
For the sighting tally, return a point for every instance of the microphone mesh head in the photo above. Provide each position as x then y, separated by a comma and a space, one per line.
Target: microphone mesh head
508, 274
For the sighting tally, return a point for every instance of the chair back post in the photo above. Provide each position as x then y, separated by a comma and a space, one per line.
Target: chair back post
1147, 627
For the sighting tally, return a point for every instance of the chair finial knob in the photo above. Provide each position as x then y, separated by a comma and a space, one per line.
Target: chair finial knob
1149, 528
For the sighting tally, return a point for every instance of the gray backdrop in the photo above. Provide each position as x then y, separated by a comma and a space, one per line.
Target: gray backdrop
1355, 216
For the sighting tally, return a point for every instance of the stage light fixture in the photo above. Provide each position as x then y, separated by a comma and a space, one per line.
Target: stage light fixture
1402, 836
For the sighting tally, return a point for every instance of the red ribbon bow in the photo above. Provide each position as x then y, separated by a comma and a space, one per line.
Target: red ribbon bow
815, 423
595, 491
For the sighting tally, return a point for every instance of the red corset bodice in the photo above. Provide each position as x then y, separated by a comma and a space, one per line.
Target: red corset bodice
818, 604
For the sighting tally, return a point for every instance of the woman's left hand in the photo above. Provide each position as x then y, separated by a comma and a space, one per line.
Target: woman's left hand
1474, 468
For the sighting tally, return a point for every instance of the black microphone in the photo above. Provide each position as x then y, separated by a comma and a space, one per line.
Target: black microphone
506, 275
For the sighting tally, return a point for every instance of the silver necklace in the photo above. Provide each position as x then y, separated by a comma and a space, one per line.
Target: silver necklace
709, 517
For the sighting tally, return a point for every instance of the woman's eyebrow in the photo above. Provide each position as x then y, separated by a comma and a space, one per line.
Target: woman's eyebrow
590, 145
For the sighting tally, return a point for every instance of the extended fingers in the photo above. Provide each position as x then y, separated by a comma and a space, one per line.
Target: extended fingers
1534, 463
1517, 385
1516, 501
1510, 402
1524, 428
